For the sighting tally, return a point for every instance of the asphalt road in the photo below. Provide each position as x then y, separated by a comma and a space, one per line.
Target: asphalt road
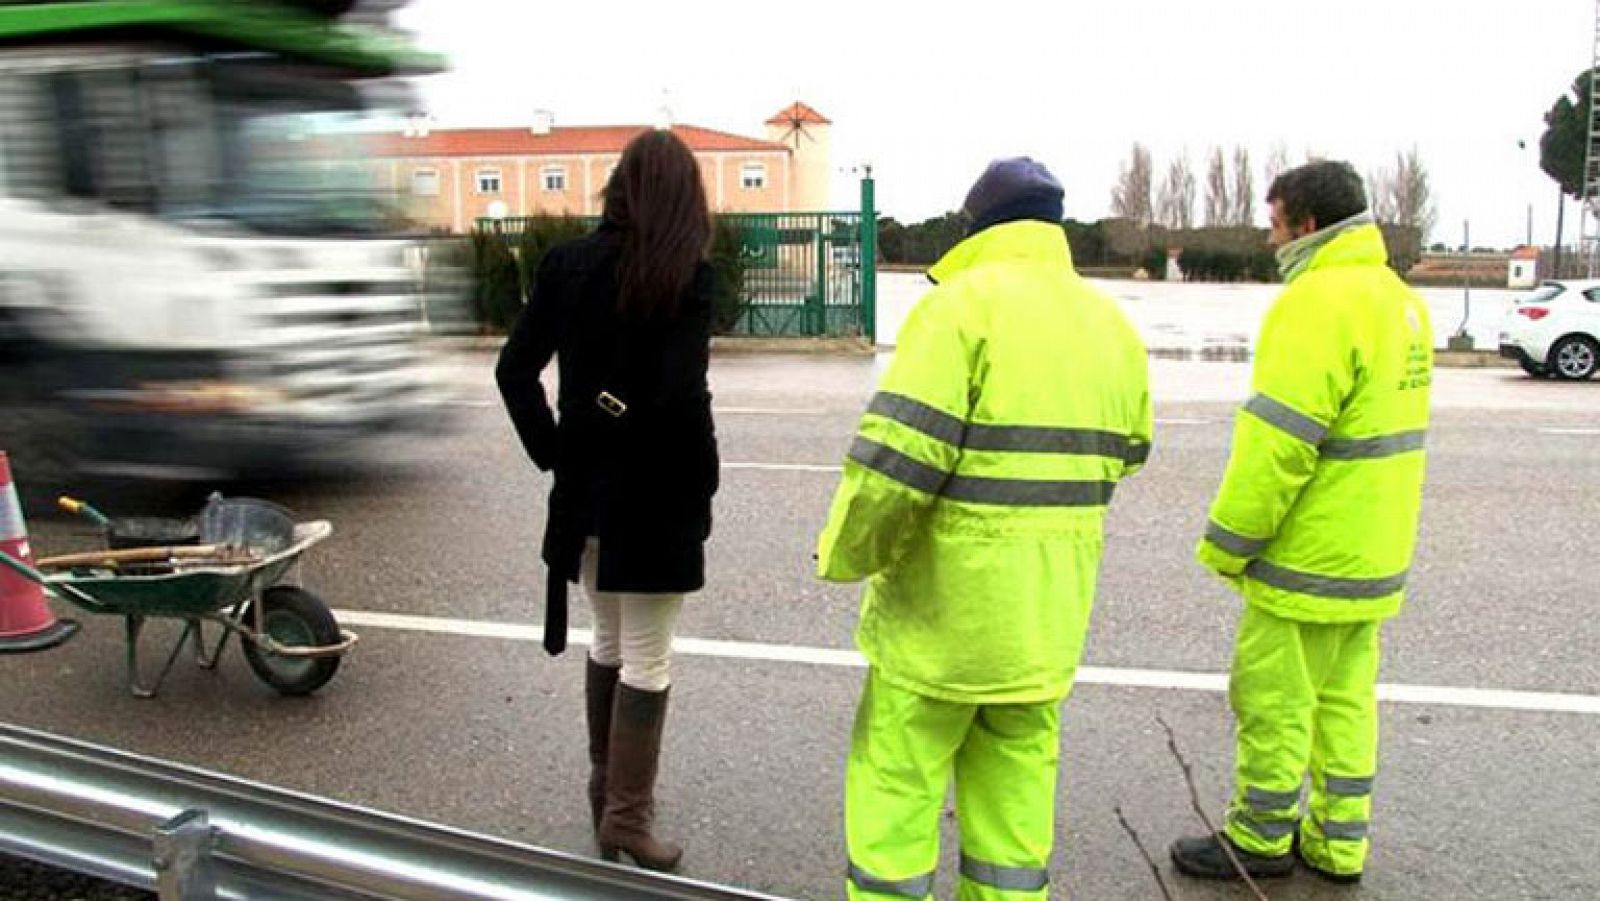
1477, 798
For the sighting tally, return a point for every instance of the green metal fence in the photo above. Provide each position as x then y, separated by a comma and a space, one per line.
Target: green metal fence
802, 272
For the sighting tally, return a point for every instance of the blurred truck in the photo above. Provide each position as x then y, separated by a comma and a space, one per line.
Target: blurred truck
197, 278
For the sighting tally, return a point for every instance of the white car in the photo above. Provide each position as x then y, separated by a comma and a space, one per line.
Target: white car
1555, 330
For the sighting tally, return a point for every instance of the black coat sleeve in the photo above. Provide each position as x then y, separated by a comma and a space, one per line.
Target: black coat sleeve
526, 353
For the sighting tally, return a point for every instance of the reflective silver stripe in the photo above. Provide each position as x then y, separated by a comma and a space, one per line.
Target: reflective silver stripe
929, 420
915, 887
1344, 830
11, 525
1028, 439
1287, 419
1324, 586
1028, 492
1373, 448
1009, 879
1271, 830
978, 489
903, 469
1233, 542
1038, 439
1138, 453
1264, 801
1348, 788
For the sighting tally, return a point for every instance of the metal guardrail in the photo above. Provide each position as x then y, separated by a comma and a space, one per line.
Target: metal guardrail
194, 835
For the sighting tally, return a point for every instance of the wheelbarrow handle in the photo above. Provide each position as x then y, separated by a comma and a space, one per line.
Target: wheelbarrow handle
73, 505
22, 569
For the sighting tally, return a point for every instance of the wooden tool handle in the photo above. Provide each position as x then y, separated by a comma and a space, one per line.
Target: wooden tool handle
225, 553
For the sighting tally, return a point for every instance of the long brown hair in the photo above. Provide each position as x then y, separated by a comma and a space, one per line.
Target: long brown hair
656, 197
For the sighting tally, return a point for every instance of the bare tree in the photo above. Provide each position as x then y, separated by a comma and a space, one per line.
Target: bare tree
1175, 204
1130, 199
1219, 199
1243, 213
1277, 163
1403, 195
1380, 195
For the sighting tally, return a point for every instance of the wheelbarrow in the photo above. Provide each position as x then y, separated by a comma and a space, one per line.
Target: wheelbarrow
242, 576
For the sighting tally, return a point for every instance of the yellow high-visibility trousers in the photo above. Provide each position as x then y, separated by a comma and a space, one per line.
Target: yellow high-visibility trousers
905, 749
1305, 695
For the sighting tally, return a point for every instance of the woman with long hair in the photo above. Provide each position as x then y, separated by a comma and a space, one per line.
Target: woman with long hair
627, 312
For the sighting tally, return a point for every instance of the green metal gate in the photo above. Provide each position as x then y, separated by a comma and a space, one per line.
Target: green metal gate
802, 273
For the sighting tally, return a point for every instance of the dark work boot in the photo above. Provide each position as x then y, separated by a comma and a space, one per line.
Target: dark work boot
599, 695
1203, 858
636, 727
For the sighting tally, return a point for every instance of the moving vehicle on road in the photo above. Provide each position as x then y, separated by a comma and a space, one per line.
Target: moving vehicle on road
1554, 332
196, 279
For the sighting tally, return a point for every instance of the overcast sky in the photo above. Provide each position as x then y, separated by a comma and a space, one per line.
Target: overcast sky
928, 94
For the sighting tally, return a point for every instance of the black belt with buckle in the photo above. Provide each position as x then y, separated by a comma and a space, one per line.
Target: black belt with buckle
610, 403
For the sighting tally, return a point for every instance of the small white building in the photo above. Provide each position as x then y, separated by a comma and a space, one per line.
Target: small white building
1523, 268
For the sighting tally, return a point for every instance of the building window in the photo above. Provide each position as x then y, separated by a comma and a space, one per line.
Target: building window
488, 181
425, 182
753, 176
554, 178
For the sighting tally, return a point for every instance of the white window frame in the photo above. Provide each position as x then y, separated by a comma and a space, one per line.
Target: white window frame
483, 175
428, 172
558, 173
759, 180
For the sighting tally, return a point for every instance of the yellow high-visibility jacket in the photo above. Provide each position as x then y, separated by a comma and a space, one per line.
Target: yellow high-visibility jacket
974, 496
1316, 519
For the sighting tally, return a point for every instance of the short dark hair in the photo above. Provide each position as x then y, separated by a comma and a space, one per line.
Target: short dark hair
1326, 191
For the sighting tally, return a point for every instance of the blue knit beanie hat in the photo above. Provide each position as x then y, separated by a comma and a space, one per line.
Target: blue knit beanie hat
1010, 189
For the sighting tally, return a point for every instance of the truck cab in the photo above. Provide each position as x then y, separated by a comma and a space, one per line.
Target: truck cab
197, 279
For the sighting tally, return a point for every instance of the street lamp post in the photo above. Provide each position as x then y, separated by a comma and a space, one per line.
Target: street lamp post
1461, 340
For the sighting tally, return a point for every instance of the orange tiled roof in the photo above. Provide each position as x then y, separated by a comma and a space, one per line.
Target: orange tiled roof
1525, 253
559, 141
797, 112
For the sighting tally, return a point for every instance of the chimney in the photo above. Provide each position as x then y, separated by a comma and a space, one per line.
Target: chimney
543, 121
418, 125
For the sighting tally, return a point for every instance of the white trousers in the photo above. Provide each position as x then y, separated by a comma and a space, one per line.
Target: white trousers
631, 630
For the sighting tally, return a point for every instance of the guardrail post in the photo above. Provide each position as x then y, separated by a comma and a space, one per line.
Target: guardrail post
183, 858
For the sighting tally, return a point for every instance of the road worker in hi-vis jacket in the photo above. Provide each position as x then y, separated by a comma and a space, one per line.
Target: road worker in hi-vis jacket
973, 502
1315, 525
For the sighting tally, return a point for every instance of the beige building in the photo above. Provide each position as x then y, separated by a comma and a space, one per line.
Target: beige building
449, 178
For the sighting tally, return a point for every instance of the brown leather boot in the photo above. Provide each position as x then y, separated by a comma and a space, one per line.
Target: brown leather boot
599, 695
636, 726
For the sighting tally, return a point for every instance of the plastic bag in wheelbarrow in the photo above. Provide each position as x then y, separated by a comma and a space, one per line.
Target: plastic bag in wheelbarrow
261, 526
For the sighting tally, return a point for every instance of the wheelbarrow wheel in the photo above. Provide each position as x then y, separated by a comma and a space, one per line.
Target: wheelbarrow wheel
296, 618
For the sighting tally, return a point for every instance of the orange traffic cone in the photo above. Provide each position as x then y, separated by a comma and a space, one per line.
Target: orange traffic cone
26, 623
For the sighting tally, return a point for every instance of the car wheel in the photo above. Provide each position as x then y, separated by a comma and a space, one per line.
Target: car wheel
42, 444
1575, 357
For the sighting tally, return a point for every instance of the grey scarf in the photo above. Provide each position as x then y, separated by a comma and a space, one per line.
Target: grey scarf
1295, 256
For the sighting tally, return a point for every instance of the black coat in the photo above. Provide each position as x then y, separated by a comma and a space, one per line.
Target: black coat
642, 482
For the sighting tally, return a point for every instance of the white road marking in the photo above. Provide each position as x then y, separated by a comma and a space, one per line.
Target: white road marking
785, 467
780, 411
1569, 431
1437, 695
759, 411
